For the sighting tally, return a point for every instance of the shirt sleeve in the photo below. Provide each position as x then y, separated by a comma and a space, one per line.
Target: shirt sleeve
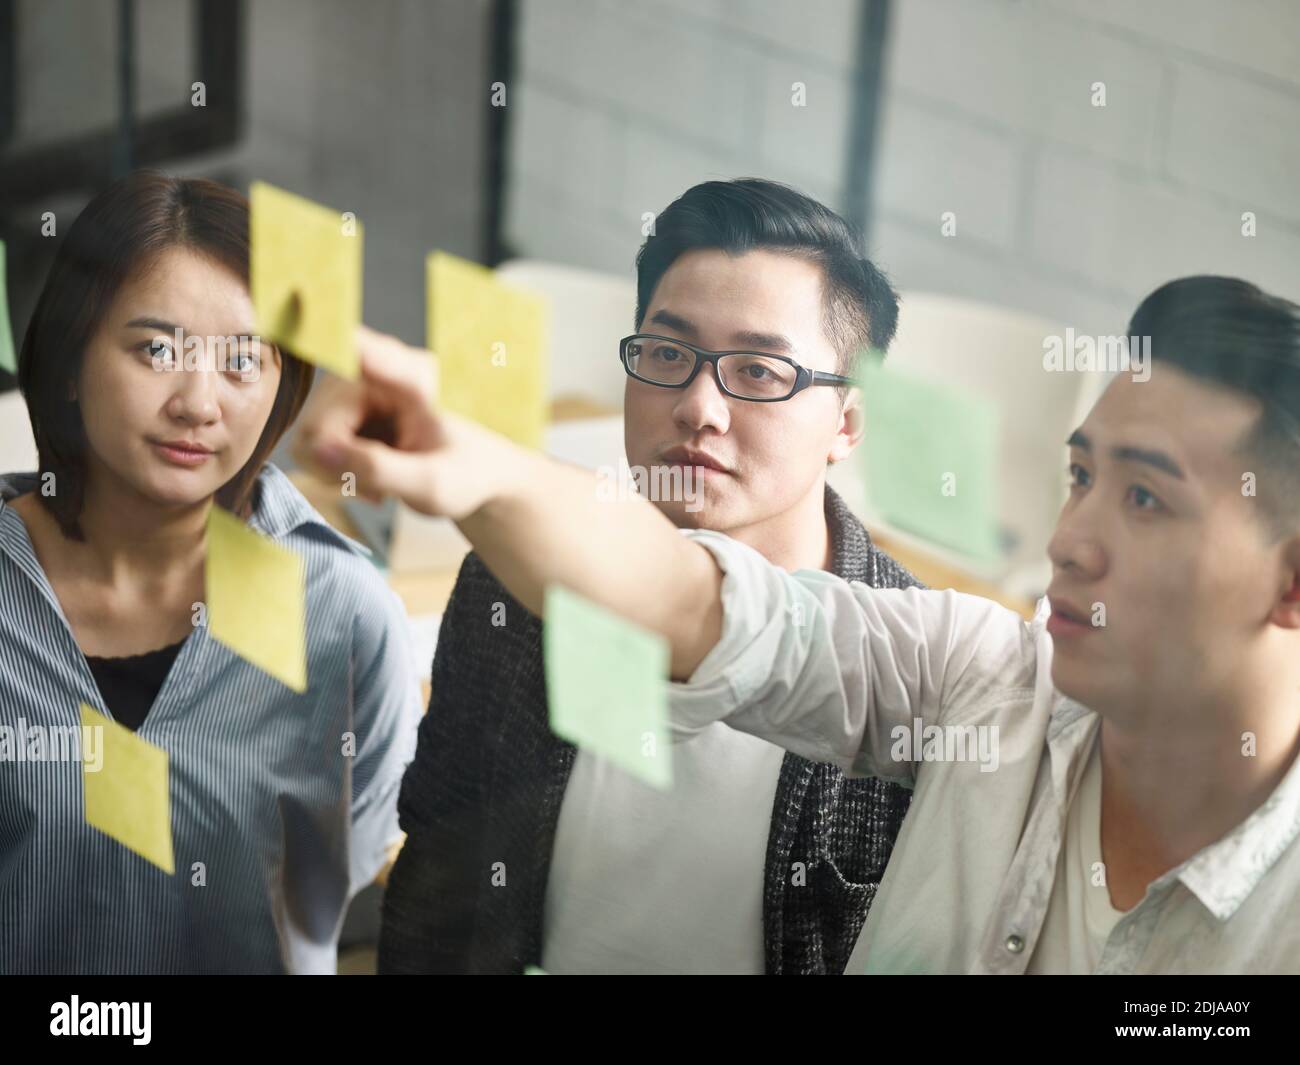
830, 670
386, 697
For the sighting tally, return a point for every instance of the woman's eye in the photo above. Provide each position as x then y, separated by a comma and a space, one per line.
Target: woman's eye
758, 372
160, 351
245, 363
1143, 499
1078, 475
667, 354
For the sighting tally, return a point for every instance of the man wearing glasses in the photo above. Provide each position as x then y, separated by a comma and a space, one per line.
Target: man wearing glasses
1145, 815
522, 850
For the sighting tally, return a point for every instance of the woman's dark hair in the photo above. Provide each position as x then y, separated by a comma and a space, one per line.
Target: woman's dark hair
117, 235
860, 307
1231, 333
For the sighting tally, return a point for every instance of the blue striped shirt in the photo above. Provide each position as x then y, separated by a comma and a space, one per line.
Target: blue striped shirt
275, 823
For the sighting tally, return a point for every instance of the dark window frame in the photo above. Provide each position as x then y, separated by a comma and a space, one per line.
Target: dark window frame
90, 161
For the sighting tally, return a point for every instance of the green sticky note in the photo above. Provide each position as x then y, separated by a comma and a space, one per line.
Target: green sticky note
8, 361
305, 277
256, 598
931, 455
606, 683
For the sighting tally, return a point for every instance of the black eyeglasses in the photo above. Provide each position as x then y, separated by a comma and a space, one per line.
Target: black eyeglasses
749, 375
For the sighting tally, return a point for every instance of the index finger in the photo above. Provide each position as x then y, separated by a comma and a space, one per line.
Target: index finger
395, 369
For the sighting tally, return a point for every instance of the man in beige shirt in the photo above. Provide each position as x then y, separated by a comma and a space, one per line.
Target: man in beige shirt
1170, 731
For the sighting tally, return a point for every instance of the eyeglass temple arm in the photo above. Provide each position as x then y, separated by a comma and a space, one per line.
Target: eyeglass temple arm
820, 377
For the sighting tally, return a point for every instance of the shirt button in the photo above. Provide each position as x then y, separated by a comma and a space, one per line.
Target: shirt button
1015, 944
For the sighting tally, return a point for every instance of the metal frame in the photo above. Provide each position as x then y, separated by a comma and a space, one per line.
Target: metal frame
92, 160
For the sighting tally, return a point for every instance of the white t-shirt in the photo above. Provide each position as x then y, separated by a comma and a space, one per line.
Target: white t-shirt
649, 881
1080, 915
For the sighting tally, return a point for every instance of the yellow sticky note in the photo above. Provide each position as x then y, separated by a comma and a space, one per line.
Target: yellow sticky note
256, 599
305, 276
491, 343
127, 795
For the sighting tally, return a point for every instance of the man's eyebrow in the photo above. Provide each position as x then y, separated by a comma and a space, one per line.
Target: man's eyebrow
673, 321
153, 323
1127, 453
763, 341
1158, 459
743, 340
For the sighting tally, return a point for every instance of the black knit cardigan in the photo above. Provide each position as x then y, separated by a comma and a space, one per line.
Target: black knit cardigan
482, 799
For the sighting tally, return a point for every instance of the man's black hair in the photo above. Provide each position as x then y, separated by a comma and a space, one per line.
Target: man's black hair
1232, 333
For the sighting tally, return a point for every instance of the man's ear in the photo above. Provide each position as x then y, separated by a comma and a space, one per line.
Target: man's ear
851, 428
1286, 613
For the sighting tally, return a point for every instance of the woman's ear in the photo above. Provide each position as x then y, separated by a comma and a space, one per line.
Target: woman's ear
851, 428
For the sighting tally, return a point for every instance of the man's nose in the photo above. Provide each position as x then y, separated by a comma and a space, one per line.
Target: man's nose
703, 404
1076, 545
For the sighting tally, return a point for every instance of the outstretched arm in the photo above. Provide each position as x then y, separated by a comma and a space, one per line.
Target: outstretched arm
532, 520
829, 670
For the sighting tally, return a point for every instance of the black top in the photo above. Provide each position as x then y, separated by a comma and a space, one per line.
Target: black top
489, 777
130, 685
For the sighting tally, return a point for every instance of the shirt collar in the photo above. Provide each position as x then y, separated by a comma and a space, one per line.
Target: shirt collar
1065, 713
13, 485
1071, 733
1224, 874
279, 509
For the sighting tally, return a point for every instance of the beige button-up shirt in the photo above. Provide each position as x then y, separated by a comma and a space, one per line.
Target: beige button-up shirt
952, 695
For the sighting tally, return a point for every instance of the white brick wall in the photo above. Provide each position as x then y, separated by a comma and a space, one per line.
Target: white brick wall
1064, 209
619, 108
1201, 123
1238, 138
930, 161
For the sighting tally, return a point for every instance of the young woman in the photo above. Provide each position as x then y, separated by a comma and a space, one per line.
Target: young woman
152, 399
